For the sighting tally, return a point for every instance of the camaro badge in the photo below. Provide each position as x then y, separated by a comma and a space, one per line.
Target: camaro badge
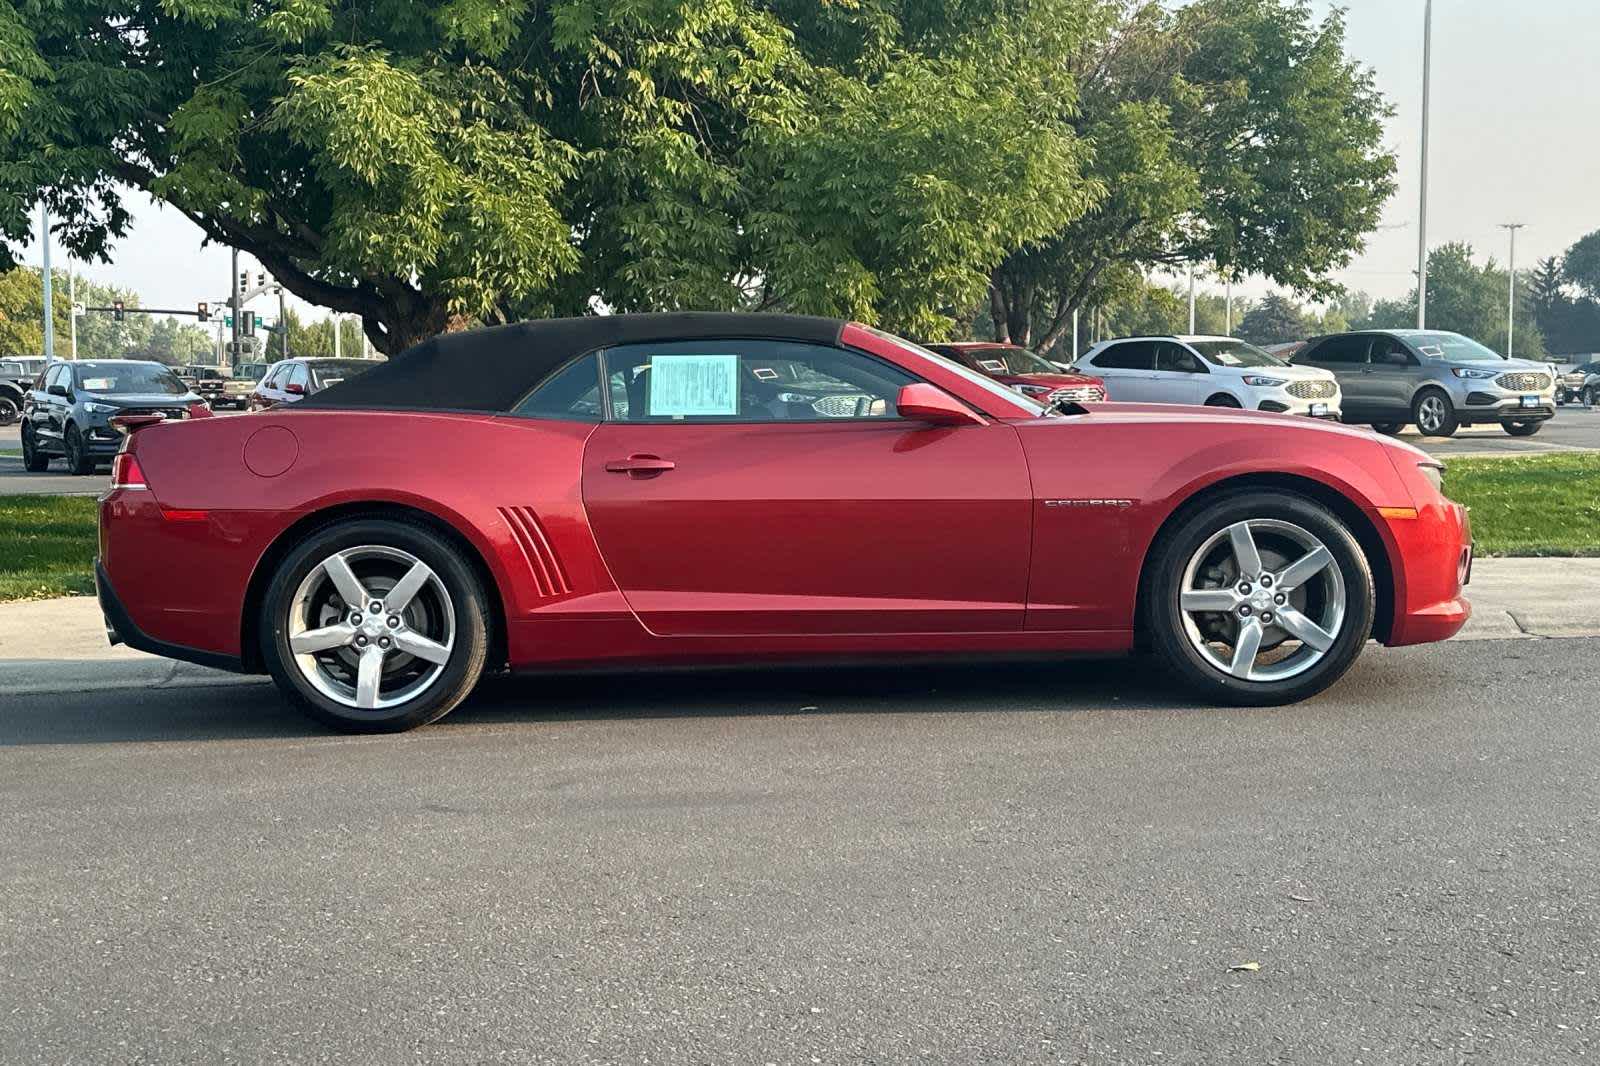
1088, 503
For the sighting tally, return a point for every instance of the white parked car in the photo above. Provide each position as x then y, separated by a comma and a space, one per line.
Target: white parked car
1210, 371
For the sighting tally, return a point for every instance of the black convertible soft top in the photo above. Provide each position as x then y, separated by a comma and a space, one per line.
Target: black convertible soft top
492, 369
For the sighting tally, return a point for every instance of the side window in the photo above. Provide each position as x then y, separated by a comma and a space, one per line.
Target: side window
571, 393
1384, 351
1348, 350
1132, 355
748, 381
60, 374
298, 375
1177, 358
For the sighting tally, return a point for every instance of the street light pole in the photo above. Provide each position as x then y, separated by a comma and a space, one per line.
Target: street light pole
1229, 329
49, 291
1422, 214
72, 315
1511, 297
1191, 299
234, 360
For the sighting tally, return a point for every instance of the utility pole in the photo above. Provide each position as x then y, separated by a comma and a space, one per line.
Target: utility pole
1074, 334
1229, 316
1511, 298
234, 361
1422, 214
283, 324
338, 327
72, 298
49, 292
1191, 299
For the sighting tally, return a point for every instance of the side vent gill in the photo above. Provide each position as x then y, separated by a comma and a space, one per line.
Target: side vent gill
542, 561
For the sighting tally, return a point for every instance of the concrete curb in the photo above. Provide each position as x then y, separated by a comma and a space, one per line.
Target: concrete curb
60, 646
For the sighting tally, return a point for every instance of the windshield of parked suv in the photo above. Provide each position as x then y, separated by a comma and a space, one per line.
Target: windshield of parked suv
1453, 347
987, 384
331, 372
128, 378
1235, 353
1010, 361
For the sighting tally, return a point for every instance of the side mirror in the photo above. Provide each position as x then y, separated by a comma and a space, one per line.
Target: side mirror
57, 390
922, 402
294, 388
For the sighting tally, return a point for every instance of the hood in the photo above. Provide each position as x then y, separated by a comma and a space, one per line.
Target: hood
1171, 413
1292, 372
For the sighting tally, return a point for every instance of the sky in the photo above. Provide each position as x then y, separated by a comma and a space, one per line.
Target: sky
1515, 138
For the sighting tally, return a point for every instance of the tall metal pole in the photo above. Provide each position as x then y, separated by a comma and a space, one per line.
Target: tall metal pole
1422, 214
1229, 329
1511, 296
49, 289
338, 327
230, 363
72, 314
283, 325
1191, 299
1074, 335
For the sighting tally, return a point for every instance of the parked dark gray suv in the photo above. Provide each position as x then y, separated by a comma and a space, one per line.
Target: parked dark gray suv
1432, 379
68, 414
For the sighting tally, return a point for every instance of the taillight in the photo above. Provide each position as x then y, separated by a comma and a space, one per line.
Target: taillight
200, 409
126, 473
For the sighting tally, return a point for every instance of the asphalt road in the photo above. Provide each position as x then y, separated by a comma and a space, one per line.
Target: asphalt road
1029, 864
1573, 428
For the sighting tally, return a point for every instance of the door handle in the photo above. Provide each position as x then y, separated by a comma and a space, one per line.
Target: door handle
639, 466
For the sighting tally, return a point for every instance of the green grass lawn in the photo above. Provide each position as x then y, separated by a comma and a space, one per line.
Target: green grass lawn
1536, 505
47, 546
1530, 505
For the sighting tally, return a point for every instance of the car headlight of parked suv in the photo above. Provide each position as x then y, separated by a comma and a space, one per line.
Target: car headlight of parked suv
1468, 372
99, 408
1259, 381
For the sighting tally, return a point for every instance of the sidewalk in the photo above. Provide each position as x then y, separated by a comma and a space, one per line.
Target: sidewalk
60, 645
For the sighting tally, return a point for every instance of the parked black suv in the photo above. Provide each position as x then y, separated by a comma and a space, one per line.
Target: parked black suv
69, 416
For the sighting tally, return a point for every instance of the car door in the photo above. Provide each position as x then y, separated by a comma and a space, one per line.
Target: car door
727, 500
51, 421
1179, 376
1128, 369
1393, 375
1346, 356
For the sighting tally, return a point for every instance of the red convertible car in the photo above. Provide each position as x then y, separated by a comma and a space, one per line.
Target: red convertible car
648, 490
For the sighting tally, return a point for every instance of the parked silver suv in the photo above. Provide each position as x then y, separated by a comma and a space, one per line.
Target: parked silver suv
1435, 380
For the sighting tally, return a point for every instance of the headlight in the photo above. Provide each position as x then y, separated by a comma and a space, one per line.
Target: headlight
1464, 372
99, 408
1256, 381
1434, 472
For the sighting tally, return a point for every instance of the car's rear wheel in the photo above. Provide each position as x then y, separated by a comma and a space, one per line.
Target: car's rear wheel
1522, 429
375, 625
9, 410
1388, 429
1433, 415
79, 461
33, 460
1259, 598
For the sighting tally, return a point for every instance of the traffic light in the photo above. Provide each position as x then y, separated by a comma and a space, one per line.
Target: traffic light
244, 279
204, 312
116, 310
261, 279
247, 324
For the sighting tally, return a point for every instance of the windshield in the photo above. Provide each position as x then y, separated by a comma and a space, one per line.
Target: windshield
1010, 361
128, 378
1235, 353
987, 384
1453, 347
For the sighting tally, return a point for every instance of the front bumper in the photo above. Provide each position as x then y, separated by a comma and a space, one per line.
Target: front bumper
1432, 565
1479, 400
1280, 402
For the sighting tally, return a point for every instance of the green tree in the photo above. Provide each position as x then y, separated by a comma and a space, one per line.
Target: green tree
1230, 132
1468, 299
1581, 265
422, 165
1275, 320
22, 312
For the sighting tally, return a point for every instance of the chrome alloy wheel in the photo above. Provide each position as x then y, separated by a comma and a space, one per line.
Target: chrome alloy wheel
371, 627
1431, 414
1262, 600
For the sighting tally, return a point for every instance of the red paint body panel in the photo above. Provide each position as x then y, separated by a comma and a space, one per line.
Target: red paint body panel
773, 541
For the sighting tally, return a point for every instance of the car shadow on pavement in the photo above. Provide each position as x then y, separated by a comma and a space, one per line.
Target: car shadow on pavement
251, 711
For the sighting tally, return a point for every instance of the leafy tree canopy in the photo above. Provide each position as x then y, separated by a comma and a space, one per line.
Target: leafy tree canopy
419, 164
1275, 320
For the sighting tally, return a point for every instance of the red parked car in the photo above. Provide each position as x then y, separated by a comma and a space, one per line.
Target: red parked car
1029, 373
644, 490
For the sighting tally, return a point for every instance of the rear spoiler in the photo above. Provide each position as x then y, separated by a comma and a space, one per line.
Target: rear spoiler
127, 425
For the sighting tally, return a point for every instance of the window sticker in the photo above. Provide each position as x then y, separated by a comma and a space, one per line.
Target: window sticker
97, 384
1432, 350
994, 366
765, 373
688, 385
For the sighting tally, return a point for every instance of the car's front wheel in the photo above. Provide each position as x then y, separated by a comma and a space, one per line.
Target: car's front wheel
375, 625
79, 461
1259, 598
1388, 429
10, 410
1433, 415
1591, 396
1522, 429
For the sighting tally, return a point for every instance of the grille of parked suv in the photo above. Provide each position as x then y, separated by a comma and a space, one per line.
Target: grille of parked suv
1312, 390
1079, 394
170, 412
1523, 382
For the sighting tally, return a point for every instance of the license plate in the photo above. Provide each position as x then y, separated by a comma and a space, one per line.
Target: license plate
1319, 410
1530, 401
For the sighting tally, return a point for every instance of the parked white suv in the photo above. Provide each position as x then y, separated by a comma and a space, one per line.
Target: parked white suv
1210, 371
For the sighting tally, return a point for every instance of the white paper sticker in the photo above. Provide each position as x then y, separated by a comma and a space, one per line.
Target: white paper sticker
688, 385
993, 366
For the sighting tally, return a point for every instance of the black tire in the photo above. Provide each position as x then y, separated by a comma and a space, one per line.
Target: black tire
79, 461
1521, 429
33, 460
1164, 618
1222, 399
10, 409
468, 601
1434, 421
1388, 429
1591, 396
